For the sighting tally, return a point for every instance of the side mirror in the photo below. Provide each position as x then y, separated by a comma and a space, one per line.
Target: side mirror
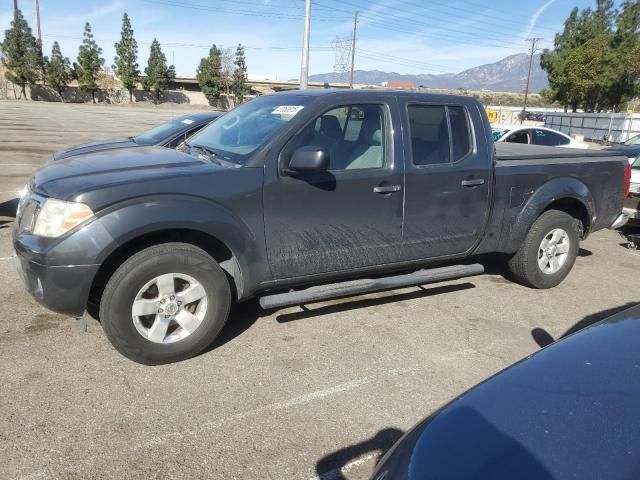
309, 159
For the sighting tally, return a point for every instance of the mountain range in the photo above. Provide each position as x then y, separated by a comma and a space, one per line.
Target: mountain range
506, 75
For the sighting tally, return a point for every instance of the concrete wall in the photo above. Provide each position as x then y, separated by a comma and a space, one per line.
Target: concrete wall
595, 126
74, 94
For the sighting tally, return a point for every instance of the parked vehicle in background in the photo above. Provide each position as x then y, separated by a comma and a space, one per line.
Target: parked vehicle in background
632, 202
534, 136
567, 412
290, 197
169, 135
535, 116
630, 148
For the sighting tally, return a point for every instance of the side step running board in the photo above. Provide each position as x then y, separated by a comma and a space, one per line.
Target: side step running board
356, 287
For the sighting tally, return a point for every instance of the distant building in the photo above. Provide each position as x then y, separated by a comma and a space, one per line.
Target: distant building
399, 84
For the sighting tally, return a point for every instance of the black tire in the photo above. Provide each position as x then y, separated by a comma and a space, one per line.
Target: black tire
524, 264
134, 273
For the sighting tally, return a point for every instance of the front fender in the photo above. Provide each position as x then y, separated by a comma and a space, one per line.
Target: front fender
536, 202
141, 216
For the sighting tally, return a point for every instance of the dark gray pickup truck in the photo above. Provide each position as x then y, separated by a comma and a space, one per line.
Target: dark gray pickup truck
299, 197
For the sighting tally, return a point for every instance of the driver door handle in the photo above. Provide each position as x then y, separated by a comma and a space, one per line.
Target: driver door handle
473, 183
387, 189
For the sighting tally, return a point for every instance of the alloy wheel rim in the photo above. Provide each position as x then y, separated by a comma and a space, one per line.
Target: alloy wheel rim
553, 251
169, 308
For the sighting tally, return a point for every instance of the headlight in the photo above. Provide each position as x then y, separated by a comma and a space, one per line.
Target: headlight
57, 217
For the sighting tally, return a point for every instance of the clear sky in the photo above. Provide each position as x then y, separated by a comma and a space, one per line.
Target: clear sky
405, 36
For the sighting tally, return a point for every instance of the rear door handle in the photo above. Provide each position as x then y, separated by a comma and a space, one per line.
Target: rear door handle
387, 189
473, 183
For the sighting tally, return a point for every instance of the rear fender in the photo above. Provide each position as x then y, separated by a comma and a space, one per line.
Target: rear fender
554, 190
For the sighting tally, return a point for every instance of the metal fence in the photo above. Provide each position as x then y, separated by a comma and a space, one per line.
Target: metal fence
617, 127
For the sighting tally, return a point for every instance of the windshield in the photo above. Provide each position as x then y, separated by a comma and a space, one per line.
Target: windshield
635, 140
497, 134
160, 133
248, 127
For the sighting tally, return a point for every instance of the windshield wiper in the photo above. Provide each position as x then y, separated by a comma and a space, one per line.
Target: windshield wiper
209, 154
215, 157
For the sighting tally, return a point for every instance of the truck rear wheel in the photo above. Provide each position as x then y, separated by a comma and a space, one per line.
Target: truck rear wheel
165, 304
548, 252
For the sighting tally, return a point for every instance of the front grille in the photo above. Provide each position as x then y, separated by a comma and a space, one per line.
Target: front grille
634, 188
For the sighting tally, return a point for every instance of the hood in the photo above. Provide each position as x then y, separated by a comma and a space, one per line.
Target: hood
66, 178
95, 146
631, 151
569, 411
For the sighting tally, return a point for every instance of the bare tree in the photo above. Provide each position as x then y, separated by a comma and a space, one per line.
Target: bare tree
227, 67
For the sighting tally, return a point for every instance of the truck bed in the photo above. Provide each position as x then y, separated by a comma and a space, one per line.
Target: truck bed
517, 151
523, 170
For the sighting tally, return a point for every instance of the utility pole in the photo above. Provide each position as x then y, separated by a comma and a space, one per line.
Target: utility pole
38, 32
353, 49
304, 69
533, 42
15, 7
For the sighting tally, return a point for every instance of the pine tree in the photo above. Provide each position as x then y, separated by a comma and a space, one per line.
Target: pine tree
126, 60
209, 74
58, 70
89, 63
20, 54
240, 88
158, 74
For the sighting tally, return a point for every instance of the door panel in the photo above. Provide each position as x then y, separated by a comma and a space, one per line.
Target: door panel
447, 192
331, 221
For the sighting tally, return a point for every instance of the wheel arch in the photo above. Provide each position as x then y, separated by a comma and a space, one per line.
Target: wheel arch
212, 245
566, 194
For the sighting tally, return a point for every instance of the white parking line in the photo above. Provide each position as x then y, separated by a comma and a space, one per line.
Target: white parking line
634, 254
339, 472
5, 259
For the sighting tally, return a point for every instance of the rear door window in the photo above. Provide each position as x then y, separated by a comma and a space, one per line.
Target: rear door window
550, 139
429, 134
460, 132
521, 136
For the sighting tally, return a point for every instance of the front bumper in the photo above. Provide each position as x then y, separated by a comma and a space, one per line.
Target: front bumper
63, 289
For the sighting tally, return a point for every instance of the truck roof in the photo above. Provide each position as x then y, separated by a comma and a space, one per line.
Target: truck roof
340, 92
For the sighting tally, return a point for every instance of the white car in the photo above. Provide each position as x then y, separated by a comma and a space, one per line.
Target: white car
534, 136
632, 202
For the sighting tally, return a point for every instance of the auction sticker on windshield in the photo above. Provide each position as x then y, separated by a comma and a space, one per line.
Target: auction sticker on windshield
290, 110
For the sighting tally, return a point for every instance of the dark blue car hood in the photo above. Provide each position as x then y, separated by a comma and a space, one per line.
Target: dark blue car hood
95, 146
571, 411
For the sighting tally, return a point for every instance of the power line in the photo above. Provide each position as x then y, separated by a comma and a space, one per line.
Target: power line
439, 15
393, 19
391, 23
206, 8
192, 45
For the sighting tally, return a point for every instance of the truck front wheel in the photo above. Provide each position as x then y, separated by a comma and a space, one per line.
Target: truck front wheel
548, 252
165, 304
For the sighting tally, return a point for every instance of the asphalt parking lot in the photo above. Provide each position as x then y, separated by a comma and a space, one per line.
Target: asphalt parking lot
300, 393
